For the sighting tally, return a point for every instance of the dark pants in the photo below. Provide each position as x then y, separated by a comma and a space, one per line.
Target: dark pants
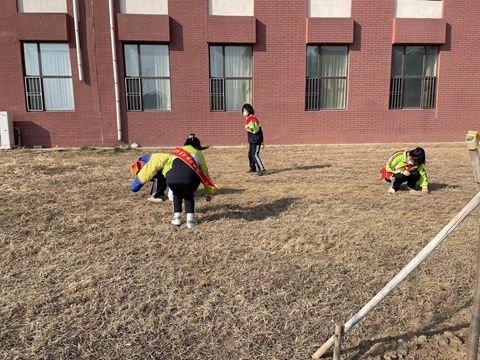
254, 160
159, 186
411, 180
183, 192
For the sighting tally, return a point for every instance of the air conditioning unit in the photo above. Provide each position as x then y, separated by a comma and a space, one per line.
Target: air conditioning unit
6, 131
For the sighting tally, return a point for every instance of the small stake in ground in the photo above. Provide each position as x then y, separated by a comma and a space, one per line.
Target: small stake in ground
338, 341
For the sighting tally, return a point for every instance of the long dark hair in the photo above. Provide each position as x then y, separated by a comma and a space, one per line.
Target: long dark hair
192, 140
419, 154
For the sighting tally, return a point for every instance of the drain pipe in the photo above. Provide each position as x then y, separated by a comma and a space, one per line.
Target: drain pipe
77, 40
115, 69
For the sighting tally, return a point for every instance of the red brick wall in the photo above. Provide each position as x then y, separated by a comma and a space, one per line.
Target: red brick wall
279, 81
224, 30
330, 31
419, 31
147, 28
31, 27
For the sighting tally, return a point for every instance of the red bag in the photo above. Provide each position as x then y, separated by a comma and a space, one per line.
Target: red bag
387, 175
384, 174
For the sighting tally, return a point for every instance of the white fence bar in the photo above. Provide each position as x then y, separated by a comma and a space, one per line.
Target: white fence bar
412, 265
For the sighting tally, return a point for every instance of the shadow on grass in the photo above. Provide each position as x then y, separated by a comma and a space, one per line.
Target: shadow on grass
227, 191
254, 213
440, 186
299, 168
222, 191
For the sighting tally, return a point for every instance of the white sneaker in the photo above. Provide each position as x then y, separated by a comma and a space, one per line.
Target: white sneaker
191, 220
412, 190
192, 223
154, 199
391, 190
177, 220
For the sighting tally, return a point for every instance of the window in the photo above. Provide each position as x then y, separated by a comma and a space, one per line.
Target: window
326, 77
152, 7
48, 77
231, 7
329, 8
230, 77
426, 9
414, 77
42, 6
147, 81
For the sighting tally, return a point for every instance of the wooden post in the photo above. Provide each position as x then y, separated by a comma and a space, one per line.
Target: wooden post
475, 322
412, 265
472, 139
338, 341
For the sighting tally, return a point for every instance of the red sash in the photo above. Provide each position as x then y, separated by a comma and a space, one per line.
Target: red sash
192, 164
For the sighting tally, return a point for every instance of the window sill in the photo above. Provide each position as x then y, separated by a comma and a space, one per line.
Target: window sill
50, 111
325, 110
147, 111
412, 109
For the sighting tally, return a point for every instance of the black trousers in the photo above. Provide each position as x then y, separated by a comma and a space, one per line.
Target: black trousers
159, 186
411, 180
183, 192
254, 160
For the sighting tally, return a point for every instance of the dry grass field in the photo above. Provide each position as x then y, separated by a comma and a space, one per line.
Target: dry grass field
89, 270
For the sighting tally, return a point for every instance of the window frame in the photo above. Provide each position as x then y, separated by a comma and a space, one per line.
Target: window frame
319, 78
140, 77
429, 86
40, 76
223, 79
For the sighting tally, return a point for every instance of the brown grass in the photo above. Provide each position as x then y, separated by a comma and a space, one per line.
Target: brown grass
90, 271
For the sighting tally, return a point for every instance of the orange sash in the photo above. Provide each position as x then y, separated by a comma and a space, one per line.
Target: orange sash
192, 164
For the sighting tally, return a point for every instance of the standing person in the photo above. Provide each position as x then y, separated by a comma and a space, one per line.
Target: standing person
149, 168
255, 140
406, 166
185, 170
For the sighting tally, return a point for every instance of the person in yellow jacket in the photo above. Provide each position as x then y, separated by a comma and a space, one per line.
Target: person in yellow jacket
149, 168
185, 170
406, 166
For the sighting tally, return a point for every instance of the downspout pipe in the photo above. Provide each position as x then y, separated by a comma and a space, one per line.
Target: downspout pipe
77, 40
115, 69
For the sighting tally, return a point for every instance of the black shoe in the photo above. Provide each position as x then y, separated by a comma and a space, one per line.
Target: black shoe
251, 171
261, 173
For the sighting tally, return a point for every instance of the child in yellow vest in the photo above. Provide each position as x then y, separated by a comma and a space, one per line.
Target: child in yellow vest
185, 170
406, 166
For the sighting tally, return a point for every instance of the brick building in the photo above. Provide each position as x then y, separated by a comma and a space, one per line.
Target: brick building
316, 71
